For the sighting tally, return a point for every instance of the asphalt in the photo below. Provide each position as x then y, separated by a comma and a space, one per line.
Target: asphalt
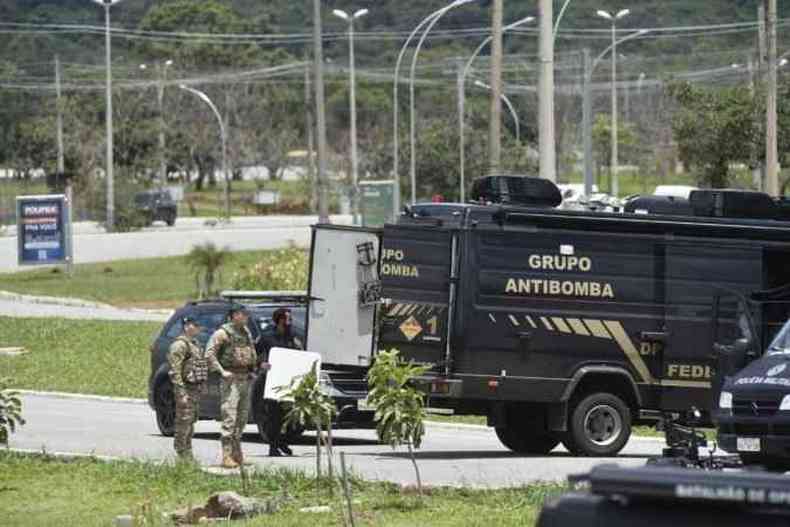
92, 244
450, 455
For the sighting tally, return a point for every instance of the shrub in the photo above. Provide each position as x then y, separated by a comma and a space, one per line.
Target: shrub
206, 262
10, 411
281, 270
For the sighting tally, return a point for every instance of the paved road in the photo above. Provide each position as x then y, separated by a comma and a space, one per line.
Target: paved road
15, 308
91, 244
449, 456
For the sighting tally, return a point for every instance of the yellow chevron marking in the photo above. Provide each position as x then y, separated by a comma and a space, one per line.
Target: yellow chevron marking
625, 343
531, 322
684, 384
578, 327
392, 312
413, 309
514, 320
547, 323
491, 316
561, 325
597, 329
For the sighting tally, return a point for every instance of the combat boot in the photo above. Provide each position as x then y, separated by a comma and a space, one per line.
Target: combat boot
238, 457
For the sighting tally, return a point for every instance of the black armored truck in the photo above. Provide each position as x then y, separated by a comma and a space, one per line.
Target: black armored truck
559, 326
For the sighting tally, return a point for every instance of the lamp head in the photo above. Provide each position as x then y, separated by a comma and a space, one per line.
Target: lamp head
622, 13
603, 14
360, 13
341, 14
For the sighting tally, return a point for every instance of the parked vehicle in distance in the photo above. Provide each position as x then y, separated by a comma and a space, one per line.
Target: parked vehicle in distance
156, 205
676, 191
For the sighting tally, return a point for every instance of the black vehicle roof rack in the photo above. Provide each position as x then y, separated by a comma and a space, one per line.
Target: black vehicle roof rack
262, 296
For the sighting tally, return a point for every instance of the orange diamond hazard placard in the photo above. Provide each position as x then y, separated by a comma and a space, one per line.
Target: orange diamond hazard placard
411, 328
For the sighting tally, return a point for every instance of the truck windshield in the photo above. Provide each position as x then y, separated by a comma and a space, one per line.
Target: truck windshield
781, 343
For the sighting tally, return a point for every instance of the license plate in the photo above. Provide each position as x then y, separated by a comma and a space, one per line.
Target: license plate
748, 444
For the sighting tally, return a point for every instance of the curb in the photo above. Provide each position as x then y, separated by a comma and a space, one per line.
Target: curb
77, 302
53, 300
83, 397
65, 455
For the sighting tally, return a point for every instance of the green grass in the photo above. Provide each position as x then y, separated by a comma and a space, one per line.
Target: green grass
154, 282
78, 356
37, 490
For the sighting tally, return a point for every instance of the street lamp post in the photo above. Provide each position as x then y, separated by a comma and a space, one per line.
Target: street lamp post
462, 101
396, 81
161, 77
613, 18
205, 98
510, 106
589, 68
413, 119
353, 96
108, 117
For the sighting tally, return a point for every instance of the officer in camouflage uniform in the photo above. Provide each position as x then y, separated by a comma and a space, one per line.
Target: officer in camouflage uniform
188, 373
231, 353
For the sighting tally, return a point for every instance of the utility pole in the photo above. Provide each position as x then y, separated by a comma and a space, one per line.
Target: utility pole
110, 149
771, 149
495, 121
546, 92
613, 163
59, 104
308, 104
160, 96
318, 65
587, 124
756, 78
461, 135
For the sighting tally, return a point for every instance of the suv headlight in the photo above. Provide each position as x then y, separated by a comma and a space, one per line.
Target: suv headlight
725, 401
785, 403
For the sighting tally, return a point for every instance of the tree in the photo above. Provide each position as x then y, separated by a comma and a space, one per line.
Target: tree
714, 128
206, 261
602, 140
10, 411
400, 407
311, 406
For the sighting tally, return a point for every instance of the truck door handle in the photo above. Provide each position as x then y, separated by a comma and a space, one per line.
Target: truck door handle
654, 336
524, 335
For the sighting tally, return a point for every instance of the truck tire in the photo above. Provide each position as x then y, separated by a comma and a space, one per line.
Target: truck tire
165, 408
599, 426
523, 441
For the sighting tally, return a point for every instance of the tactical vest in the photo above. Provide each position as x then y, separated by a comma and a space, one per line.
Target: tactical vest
195, 369
238, 354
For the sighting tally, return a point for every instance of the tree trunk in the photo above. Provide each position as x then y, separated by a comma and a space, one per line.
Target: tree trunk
329, 453
416, 469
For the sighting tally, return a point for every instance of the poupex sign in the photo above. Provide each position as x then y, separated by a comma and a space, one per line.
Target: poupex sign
43, 230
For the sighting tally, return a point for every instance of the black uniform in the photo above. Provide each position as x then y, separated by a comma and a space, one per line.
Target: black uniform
277, 441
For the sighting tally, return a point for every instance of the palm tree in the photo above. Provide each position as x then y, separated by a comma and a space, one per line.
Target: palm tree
206, 262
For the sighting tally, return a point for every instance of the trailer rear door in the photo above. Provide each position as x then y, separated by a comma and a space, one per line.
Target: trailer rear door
417, 264
345, 290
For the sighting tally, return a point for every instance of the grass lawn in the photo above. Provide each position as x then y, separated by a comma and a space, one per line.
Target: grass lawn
36, 490
78, 356
152, 283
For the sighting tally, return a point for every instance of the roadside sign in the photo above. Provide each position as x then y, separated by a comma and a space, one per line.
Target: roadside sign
377, 202
43, 230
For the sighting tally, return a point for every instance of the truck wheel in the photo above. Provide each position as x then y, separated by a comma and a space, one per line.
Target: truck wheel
526, 442
165, 404
171, 219
600, 425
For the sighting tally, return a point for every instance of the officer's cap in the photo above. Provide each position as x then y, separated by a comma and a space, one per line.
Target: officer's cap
190, 320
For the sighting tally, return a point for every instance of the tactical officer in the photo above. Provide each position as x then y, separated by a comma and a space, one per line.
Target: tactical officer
188, 373
283, 338
231, 353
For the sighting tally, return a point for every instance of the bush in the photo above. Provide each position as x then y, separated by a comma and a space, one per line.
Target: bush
281, 270
206, 262
10, 411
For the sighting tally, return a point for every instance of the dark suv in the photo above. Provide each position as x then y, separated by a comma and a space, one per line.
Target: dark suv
211, 314
156, 205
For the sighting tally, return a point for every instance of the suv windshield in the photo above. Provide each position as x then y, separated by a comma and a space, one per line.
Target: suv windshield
781, 343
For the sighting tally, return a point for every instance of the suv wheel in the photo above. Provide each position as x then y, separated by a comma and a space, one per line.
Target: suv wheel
165, 404
599, 425
524, 441
170, 219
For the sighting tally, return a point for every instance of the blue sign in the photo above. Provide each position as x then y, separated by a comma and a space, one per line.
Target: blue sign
43, 230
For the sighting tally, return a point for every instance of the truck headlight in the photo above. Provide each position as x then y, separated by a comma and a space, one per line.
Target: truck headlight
725, 401
785, 403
